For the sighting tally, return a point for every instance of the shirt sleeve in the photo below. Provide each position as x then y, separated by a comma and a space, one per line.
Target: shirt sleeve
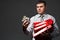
55, 32
29, 29
30, 26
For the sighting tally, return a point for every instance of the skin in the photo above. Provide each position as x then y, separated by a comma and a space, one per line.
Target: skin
41, 8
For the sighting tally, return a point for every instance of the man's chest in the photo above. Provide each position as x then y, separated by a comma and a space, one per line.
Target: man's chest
40, 19
41, 24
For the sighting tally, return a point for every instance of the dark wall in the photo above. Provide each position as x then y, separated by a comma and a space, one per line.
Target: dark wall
12, 12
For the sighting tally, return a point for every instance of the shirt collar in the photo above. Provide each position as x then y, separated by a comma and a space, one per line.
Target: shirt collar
39, 15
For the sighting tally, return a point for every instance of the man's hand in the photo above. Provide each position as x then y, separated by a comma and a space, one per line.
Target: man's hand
25, 22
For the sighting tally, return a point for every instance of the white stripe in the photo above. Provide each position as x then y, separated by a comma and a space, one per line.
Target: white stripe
39, 27
39, 32
40, 23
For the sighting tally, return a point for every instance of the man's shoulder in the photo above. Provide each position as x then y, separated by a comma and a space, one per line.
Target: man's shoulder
50, 16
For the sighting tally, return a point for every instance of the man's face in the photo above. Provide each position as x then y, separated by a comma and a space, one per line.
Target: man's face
40, 8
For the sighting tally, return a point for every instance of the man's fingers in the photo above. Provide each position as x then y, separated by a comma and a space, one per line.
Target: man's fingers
25, 22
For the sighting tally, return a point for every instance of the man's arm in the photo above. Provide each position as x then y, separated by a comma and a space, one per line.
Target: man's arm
27, 26
25, 23
55, 32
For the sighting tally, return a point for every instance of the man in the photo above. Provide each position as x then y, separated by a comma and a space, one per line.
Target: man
42, 26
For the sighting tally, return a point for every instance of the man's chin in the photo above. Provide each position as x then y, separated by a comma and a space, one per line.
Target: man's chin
40, 13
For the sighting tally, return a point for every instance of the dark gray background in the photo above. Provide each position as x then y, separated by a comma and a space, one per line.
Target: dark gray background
12, 12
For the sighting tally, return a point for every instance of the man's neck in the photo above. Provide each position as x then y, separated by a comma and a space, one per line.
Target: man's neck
42, 14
